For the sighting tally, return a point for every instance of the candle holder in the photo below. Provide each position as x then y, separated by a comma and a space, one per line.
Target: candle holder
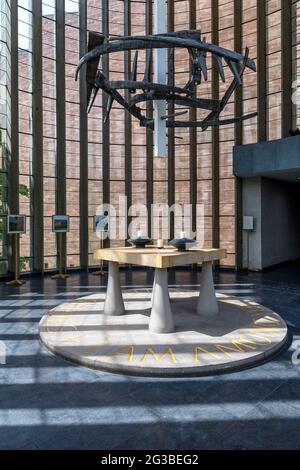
139, 241
160, 244
182, 244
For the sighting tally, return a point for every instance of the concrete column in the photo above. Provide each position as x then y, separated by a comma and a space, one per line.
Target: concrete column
252, 206
160, 76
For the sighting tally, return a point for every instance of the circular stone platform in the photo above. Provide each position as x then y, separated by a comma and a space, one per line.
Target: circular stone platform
244, 334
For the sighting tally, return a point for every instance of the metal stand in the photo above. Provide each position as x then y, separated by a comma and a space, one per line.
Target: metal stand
16, 281
100, 272
61, 274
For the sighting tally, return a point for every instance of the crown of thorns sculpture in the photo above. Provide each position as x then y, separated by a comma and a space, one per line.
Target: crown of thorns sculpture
185, 96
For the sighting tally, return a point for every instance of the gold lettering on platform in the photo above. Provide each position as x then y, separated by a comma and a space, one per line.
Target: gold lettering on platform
129, 350
199, 349
242, 341
157, 357
263, 339
236, 347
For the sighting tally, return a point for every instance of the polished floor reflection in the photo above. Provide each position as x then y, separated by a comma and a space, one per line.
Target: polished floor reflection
48, 403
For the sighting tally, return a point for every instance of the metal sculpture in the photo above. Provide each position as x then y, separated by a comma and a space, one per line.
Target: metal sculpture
185, 96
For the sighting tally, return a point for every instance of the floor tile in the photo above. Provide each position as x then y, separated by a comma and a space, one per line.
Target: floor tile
49, 403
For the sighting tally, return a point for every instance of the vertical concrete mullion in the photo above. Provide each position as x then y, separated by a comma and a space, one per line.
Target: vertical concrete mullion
261, 71
149, 133
127, 116
13, 163
37, 131
294, 32
83, 189
171, 136
193, 134
238, 46
286, 67
14, 159
215, 137
61, 200
105, 125
238, 111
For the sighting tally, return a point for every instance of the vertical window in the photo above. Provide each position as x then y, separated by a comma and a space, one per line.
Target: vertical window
5, 124
117, 122
49, 129
204, 140
72, 130
249, 29
138, 133
95, 139
25, 127
182, 140
227, 136
296, 63
274, 68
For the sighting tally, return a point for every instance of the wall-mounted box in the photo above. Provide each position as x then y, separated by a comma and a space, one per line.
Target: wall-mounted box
248, 223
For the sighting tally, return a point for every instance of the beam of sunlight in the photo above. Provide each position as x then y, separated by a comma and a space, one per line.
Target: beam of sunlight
141, 414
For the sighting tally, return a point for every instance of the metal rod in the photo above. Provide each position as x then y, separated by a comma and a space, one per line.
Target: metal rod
180, 113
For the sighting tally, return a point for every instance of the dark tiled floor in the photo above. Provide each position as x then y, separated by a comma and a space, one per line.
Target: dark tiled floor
48, 403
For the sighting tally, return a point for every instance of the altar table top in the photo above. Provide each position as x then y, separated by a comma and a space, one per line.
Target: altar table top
159, 258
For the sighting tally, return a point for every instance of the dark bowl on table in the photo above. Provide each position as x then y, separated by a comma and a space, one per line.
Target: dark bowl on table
140, 242
182, 244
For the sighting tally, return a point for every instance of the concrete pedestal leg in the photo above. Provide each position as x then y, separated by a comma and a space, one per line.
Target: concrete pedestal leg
114, 304
161, 320
153, 288
207, 303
